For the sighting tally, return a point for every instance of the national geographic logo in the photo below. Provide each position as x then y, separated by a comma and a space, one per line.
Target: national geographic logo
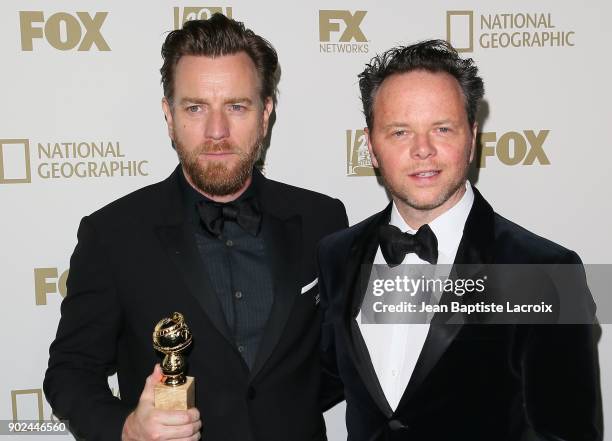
350, 39
15, 161
28, 404
358, 162
514, 148
66, 160
505, 30
63, 31
182, 15
48, 281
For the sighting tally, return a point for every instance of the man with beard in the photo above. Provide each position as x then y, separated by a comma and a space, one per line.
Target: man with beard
232, 251
446, 379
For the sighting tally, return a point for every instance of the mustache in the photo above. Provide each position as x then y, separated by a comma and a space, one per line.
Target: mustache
219, 147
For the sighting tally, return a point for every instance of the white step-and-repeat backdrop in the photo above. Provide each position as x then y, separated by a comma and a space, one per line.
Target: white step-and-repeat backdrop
81, 124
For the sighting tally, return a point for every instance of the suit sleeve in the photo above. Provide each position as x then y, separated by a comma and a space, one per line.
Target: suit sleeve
83, 352
332, 388
560, 372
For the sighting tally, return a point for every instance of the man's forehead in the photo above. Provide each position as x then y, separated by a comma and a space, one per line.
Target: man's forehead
237, 68
230, 73
421, 78
208, 77
232, 62
420, 86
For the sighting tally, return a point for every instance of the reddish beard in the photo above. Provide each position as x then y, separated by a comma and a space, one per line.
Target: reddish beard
217, 178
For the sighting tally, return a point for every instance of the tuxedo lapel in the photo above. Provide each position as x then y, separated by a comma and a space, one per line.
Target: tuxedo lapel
475, 249
282, 233
180, 245
362, 254
176, 235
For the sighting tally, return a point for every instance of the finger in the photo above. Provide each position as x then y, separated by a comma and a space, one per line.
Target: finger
173, 417
179, 432
195, 437
194, 414
157, 372
148, 393
197, 426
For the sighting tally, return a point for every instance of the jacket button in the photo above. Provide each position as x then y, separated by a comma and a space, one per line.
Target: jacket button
396, 425
251, 393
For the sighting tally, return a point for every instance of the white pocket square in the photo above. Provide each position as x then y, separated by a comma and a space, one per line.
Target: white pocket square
310, 285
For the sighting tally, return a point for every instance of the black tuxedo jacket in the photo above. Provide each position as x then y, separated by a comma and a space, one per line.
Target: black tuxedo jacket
136, 262
471, 382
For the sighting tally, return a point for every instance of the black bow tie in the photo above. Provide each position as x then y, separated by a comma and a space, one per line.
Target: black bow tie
244, 212
395, 245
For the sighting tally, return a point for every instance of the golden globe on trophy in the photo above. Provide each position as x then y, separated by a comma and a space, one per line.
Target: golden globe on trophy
172, 337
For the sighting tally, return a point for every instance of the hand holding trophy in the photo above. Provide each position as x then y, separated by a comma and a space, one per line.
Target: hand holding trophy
167, 404
172, 337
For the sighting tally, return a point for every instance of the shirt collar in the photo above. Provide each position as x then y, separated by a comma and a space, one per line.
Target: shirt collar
448, 227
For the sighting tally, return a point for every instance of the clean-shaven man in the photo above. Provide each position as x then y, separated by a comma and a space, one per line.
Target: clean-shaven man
231, 250
441, 381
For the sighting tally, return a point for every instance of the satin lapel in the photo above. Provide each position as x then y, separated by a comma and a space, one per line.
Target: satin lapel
363, 253
474, 250
180, 245
283, 238
176, 235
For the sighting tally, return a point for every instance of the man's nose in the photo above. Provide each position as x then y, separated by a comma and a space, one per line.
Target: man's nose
423, 147
217, 125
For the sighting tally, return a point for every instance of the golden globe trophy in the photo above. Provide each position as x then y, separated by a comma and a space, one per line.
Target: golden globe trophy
176, 391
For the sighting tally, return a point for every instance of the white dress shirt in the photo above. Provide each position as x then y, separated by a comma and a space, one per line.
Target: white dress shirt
394, 348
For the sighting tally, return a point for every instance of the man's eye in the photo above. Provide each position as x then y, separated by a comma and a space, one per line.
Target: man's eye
237, 107
443, 129
193, 109
398, 133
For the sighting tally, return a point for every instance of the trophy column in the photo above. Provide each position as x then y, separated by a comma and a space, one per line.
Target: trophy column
176, 391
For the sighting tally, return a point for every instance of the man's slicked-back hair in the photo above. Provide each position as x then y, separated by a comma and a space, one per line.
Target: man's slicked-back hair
216, 37
431, 56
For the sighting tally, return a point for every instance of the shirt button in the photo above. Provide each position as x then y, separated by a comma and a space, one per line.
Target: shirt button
394, 373
238, 294
229, 242
240, 349
251, 393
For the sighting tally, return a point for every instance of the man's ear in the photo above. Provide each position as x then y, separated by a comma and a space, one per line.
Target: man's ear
370, 148
474, 139
167, 109
267, 111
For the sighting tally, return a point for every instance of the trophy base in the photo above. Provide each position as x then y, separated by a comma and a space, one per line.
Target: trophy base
175, 397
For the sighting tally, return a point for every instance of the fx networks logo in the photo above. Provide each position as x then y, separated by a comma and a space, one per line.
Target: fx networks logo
63, 31
66, 160
467, 30
358, 162
344, 29
48, 281
514, 148
182, 15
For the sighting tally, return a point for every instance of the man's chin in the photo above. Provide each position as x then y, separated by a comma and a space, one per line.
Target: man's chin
220, 180
422, 202
428, 202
